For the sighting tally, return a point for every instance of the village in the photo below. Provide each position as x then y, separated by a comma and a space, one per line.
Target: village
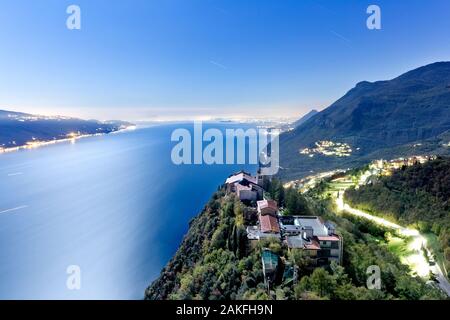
329, 148
385, 167
315, 238
376, 168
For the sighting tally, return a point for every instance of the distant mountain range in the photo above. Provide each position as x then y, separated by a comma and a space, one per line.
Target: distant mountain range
17, 128
407, 115
305, 118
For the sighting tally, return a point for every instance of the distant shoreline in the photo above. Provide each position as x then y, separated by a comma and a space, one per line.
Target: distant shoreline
37, 144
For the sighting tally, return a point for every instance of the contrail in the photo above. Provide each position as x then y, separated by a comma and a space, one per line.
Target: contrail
13, 209
14, 174
218, 64
340, 36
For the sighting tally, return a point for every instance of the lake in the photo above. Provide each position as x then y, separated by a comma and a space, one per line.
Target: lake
114, 205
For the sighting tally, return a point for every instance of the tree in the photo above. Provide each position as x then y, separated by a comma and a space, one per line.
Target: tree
322, 282
299, 259
296, 203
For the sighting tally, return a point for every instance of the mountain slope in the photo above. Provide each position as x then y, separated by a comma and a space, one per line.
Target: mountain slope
16, 128
417, 195
305, 118
373, 116
215, 261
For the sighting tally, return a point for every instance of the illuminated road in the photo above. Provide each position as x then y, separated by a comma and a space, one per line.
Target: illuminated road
416, 261
383, 222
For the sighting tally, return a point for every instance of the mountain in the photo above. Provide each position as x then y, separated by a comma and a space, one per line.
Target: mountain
17, 128
373, 117
305, 118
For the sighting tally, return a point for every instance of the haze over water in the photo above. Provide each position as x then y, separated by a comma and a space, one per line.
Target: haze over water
114, 205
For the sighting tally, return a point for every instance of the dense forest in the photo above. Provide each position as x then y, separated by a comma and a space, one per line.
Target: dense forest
215, 261
418, 196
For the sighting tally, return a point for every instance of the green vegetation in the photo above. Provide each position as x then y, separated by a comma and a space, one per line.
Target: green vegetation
417, 196
436, 248
215, 260
368, 244
288, 199
398, 246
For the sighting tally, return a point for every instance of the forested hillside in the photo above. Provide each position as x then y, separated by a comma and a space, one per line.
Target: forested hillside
417, 195
216, 262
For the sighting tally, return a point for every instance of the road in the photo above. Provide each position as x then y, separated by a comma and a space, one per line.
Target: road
418, 262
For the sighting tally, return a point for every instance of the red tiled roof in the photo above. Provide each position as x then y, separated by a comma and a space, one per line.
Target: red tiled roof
269, 224
267, 204
314, 245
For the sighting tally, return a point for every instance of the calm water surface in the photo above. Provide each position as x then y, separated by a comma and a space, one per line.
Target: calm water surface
114, 205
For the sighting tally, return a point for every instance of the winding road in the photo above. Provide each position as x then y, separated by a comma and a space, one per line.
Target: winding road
420, 265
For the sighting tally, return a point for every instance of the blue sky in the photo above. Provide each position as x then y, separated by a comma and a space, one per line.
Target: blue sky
167, 59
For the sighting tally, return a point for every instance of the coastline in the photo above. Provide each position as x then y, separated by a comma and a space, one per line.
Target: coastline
72, 139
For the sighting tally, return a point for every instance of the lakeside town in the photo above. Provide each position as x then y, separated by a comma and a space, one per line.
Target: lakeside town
34, 143
71, 137
30, 131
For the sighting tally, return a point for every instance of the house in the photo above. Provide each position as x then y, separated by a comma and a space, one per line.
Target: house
314, 236
267, 207
300, 242
290, 226
330, 249
240, 177
249, 192
245, 186
269, 224
254, 234
245, 193
268, 227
